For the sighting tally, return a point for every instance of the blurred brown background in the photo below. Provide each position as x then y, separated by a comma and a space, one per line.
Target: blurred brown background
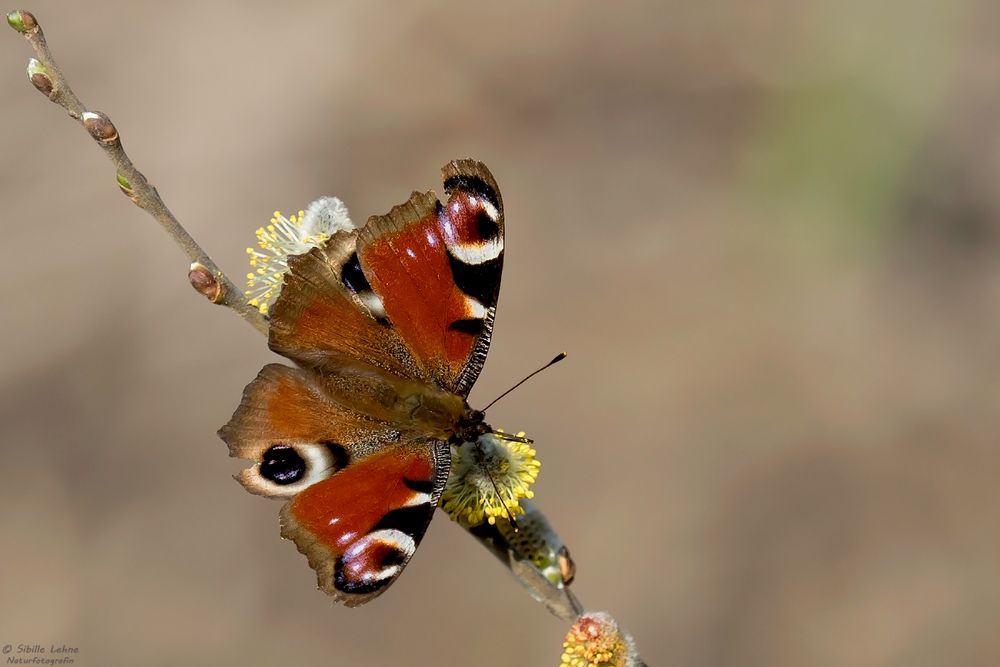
768, 235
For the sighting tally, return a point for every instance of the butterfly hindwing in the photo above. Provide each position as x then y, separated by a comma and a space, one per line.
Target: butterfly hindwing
360, 527
359, 498
295, 434
436, 270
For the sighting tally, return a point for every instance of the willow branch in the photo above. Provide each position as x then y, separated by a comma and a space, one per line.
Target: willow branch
204, 275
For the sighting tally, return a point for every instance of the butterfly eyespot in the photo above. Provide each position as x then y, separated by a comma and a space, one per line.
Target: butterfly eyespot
281, 464
285, 469
471, 229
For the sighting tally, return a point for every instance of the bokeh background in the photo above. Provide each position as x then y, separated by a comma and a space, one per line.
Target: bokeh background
768, 234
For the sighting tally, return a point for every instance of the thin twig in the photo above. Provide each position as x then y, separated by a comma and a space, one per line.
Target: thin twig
204, 274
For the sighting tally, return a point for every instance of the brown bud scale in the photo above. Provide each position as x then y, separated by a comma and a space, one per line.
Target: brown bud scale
100, 127
28, 20
205, 283
42, 83
567, 568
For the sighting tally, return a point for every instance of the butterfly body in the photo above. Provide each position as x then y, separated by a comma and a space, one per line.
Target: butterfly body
388, 326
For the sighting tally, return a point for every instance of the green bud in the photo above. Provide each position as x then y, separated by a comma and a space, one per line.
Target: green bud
123, 183
22, 21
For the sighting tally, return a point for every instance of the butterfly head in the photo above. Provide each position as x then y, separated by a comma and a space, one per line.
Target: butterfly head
471, 425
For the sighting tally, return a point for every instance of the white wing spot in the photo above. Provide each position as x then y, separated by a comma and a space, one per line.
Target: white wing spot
475, 309
476, 253
373, 302
490, 209
417, 499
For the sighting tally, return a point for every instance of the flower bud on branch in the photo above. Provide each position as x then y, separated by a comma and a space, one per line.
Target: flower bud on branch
595, 640
100, 127
39, 78
205, 283
22, 21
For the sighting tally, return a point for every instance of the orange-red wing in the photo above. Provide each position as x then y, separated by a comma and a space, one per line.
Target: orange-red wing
327, 317
436, 270
359, 527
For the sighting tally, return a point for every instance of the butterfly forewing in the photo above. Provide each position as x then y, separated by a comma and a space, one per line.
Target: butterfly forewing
328, 317
437, 271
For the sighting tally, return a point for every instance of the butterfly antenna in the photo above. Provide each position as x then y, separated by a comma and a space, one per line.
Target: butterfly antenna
512, 438
559, 357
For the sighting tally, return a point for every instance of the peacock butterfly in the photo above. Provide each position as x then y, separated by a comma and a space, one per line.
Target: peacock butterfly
388, 326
